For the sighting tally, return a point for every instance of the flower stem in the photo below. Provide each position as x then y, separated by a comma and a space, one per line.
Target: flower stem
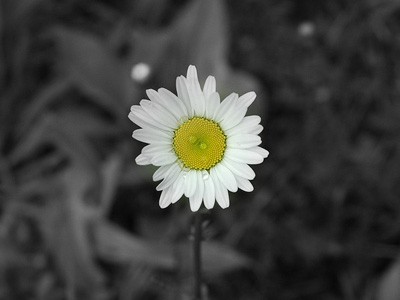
197, 255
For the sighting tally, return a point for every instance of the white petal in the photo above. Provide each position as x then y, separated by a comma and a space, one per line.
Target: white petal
200, 184
226, 177
256, 130
178, 187
155, 97
160, 172
183, 94
170, 106
170, 177
138, 121
247, 99
196, 200
209, 191
225, 106
164, 159
155, 132
152, 136
213, 102
260, 151
243, 141
191, 72
171, 97
135, 106
155, 149
221, 193
195, 203
244, 156
146, 122
240, 169
159, 113
165, 198
196, 96
142, 160
144, 117
233, 117
209, 86
245, 126
244, 184
190, 183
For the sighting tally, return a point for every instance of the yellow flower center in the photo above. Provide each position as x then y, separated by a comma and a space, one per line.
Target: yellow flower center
199, 143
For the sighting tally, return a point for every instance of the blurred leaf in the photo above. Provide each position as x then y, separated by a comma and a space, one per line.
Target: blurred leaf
67, 225
135, 281
116, 245
110, 178
29, 144
130, 176
389, 285
14, 17
92, 66
41, 102
217, 258
113, 244
150, 10
18, 11
40, 186
84, 123
9, 256
200, 36
203, 28
66, 136
39, 169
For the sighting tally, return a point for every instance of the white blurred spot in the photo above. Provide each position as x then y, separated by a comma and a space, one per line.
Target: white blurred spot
306, 29
322, 95
140, 72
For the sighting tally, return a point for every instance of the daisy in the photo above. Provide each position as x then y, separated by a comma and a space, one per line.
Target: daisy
203, 147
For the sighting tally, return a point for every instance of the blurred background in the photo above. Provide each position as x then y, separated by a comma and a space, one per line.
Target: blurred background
80, 220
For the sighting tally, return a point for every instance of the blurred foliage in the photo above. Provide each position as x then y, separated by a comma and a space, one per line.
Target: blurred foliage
78, 218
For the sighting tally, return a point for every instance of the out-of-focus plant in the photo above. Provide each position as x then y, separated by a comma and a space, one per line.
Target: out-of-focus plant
326, 225
65, 92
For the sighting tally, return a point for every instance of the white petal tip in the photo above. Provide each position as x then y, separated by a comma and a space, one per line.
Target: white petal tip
247, 186
211, 80
134, 107
176, 200
224, 206
264, 153
136, 135
192, 72
165, 199
142, 160
247, 99
208, 206
194, 206
164, 205
131, 116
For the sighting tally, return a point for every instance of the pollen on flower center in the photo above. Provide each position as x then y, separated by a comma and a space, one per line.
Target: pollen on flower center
199, 143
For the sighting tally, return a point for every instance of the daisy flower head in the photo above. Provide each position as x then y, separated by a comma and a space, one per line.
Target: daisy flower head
202, 146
